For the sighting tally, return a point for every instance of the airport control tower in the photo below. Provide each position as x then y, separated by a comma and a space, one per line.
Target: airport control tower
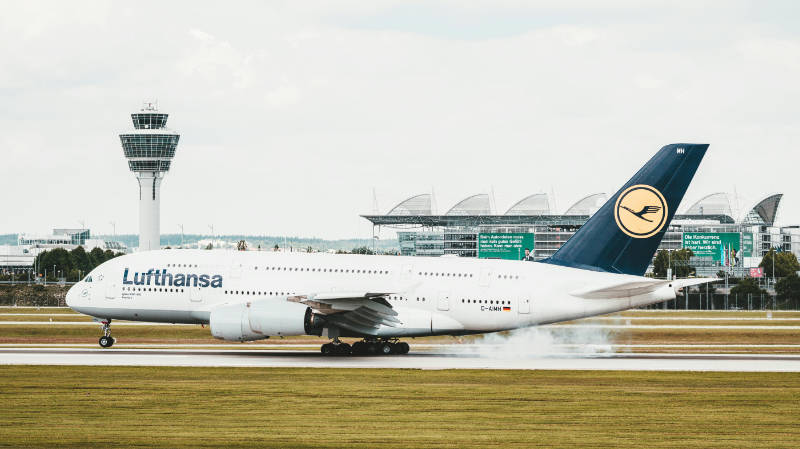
149, 148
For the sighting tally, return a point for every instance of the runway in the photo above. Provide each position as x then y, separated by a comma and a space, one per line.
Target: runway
434, 360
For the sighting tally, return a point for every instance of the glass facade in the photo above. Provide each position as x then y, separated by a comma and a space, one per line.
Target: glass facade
149, 145
149, 120
154, 166
146, 150
549, 237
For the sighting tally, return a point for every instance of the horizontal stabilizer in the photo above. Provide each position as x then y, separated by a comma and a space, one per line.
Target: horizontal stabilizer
635, 287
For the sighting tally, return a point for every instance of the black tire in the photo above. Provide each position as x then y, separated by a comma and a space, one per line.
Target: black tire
344, 349
105, 342
326, 349
386, 349
357, 349
402, 348
113, 340
371, 348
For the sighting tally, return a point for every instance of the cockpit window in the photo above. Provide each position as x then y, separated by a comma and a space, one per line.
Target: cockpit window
88, 279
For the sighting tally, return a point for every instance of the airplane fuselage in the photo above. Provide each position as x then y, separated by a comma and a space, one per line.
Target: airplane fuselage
431, 296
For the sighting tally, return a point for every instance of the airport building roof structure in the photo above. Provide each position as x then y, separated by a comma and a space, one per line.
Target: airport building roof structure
765, 211
468, 228
473, 205
536, 204
714, 204
587, 205
416, 205
476, 210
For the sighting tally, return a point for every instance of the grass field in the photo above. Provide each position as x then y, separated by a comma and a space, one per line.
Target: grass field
242, 407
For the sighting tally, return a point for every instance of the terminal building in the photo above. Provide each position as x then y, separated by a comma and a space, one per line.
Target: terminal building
22, 255
471, 229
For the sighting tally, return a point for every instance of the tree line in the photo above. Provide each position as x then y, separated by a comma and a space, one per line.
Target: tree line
784, 265
70, 264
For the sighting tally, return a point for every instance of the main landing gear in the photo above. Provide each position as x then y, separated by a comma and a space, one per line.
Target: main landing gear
368, 346
106, 341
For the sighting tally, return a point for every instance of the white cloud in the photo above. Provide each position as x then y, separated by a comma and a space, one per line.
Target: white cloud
291, 113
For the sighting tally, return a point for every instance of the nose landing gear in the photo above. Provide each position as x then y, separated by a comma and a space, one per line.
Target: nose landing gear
106, 341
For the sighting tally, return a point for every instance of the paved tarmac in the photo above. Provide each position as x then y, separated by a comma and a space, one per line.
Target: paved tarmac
436, 359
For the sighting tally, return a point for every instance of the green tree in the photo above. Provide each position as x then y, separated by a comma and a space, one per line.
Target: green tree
97, 256
81, 259
788, 289
747, 286
71, 264
678, 260
362, 250
57, 258
785, 263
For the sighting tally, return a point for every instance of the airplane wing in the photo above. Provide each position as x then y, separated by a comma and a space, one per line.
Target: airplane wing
637, 287
362, 312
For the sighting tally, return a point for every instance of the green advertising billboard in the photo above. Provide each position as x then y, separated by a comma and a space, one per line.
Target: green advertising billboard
747, 244
711, 244
510, 246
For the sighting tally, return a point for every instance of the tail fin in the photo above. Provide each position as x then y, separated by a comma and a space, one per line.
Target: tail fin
623, 235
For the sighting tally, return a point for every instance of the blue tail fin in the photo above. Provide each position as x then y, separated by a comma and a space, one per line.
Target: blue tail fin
623, 235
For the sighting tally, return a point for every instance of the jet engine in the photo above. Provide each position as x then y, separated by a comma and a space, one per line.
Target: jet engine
261, 319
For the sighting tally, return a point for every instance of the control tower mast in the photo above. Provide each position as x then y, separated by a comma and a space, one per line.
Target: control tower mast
149, 148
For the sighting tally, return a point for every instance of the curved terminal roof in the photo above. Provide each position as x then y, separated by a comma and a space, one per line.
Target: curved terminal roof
765, 211
474, 205
714, 204
588, 205
536, 204
416, 205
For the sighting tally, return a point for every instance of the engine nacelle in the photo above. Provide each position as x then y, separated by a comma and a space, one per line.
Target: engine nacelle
256, 320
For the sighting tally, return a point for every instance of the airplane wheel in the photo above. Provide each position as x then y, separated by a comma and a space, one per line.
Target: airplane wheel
402, 348
106, 342
371, 348
358, 348
385, 349
327, 349
344, 349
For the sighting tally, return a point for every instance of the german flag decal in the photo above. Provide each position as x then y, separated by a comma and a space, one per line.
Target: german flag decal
506, 309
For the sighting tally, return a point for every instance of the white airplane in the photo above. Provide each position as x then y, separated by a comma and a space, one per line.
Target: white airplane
247, 295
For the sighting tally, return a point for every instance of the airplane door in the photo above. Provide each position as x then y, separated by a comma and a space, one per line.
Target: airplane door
111, 290
444, 301
195, 294
485, 277
524, 305
236, 271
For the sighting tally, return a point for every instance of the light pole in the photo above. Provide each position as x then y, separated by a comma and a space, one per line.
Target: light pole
773, 267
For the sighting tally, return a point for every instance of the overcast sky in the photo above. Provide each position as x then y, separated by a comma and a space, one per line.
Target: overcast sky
291, 113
